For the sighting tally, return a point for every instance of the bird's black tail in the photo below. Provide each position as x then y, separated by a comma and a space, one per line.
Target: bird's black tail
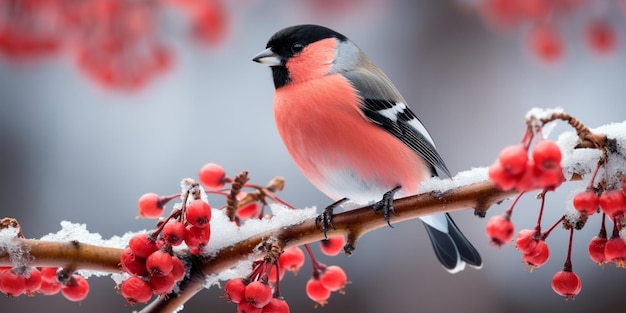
452, 248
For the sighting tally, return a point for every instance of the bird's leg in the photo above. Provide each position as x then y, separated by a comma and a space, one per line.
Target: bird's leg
386, 204
325, 219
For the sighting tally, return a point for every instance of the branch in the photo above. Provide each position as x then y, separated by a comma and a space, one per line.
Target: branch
353, 224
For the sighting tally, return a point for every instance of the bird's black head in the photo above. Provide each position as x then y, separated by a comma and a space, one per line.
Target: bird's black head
289, 42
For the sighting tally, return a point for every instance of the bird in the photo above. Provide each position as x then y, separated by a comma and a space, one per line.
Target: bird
351, 133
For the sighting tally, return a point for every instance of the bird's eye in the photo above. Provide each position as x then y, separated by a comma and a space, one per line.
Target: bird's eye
297, 47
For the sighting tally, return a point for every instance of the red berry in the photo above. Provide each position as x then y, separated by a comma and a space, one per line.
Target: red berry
547, 155
500, 230
198, 213
276, 305
546, 43
76, 288
272, 275
49, 273
162, 285
150, 205
514, 159
530, 179
501, 178
526, 240
247, 307
597, 247
212, 176
142, 245
49, 288
332, 246
258, 293
613, 202
178, 268
587, 201
316, 291
566, 284
334, 278
136, 290
11, 283
197, 237
174, 233
235, 290
292, 259
601, 37
249, 210
550, 180
33, 281
159, 263
133, 264
615, 251
538, 256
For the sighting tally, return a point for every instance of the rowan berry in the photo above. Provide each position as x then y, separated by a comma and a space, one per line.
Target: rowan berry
258, 293
601, 37
212, 176
49, 288
613, 202
150, 205
332, 246
526, 240
513, 159
547, 156
76, 289
334, 278
33, 281
197, 238
174, 233
587, 201
567, 284
11, 283
133, 264
538, 256
596, 248
247, 307
316, 291
235, 289
499, 229
159, 263
292, 259
198, 213
615, 251
247, 211
546, 43
501, 178
136, 290
162, 285
142, 245
276, 305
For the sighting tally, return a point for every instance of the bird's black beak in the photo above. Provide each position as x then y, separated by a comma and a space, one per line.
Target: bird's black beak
269, 58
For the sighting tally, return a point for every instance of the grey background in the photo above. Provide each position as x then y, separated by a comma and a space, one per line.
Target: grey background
72, 151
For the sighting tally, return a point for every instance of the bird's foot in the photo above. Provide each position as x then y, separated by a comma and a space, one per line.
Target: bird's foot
324, 221
386, 204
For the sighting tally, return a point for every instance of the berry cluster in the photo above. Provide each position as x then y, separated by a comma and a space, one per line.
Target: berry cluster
115, 42
46, 280
544, 39
514, 169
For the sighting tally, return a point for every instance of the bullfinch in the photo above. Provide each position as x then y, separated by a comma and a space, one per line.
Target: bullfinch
350, 131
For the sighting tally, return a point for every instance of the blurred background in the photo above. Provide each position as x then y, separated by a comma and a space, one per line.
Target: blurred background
81, 142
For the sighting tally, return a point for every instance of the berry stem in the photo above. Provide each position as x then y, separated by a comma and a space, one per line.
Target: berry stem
602, 233
317, 266
567, 267
509, 211
543, 202
547, 232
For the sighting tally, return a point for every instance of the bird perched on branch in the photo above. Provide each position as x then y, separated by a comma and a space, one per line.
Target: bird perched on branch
351, 133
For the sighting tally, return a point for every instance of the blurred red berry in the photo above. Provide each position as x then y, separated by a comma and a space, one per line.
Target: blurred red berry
49, 273
247, 211
514, 159
547, 155
601, 37
546, 43
136, 290
198, 213
76, 289
212, 176
33, 281
566, 284
499, 229
247, 307
178, 268
49, 288
210, 23
162, 285
501, 178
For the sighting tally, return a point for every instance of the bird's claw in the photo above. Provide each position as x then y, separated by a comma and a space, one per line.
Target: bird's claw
324, 221
386, 205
